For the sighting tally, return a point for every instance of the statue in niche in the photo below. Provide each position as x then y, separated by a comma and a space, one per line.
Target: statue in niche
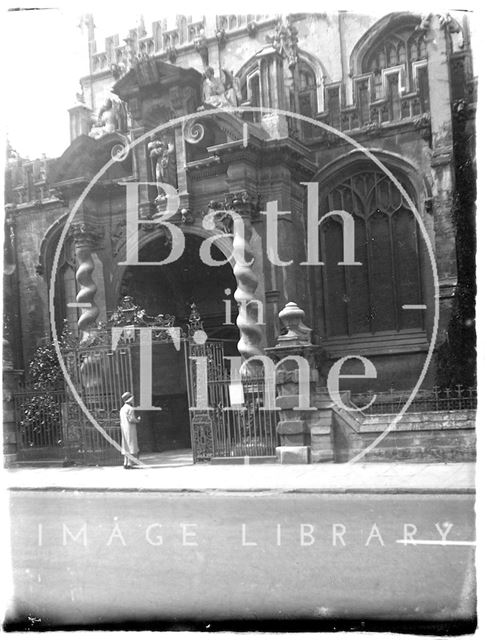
111, 117
160, 152
218, 92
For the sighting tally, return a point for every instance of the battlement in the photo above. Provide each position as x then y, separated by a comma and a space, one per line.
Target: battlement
170, 41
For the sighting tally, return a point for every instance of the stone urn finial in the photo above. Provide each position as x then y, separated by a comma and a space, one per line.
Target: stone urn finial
297, 332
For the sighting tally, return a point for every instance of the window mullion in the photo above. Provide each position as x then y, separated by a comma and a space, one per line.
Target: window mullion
395, 283
369, 275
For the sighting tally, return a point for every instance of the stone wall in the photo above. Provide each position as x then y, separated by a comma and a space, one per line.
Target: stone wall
433, 436
30, 228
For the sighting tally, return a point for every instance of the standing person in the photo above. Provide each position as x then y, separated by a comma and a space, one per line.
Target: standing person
128, 422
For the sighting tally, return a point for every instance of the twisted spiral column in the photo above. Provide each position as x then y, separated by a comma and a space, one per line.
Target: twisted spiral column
247, 282
85, 238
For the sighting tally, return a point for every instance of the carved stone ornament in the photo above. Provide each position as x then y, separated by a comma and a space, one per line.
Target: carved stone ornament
242, 202
297, 332
220, 92
85, 233
252, 29
129, 313
193, 131
446, 22
221, 36
117, 237
195, 322
161, 150
201, 46
285, 41
172, 54
111, 117
186, 216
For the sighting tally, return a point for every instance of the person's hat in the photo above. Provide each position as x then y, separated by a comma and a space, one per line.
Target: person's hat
127, 396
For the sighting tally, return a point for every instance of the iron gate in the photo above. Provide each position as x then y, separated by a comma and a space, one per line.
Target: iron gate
225, 430
100, 376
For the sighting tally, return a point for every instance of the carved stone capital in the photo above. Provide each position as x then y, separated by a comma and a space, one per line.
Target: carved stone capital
86, 234
242, 202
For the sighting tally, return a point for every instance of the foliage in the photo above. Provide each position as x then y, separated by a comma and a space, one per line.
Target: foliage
44, 371
41, 419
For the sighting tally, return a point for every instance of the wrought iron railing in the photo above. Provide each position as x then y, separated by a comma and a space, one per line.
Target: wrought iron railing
436, 399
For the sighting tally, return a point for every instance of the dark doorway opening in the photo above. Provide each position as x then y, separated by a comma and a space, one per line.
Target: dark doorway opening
171, 289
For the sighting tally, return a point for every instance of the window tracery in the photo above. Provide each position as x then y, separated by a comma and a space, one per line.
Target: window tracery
369, 299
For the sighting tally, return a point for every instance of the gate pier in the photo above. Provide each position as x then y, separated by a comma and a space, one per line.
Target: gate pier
305, 428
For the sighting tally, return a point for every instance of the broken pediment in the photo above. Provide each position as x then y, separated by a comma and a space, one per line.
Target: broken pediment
85, 156
153, 84
149, 72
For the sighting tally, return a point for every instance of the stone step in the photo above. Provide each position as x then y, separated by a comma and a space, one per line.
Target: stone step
38, 463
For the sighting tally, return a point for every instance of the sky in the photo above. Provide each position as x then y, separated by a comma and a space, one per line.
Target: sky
47, 53
42, 79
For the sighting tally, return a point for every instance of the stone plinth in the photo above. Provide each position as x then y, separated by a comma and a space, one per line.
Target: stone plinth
299, 412
275, 125
292, 455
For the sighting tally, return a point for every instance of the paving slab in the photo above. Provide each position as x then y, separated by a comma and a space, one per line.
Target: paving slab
183, 476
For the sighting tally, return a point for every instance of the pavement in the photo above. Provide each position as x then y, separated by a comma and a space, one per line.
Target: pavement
159, 561
175, 472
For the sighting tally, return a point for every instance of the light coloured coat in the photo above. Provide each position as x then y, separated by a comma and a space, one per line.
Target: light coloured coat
128, 422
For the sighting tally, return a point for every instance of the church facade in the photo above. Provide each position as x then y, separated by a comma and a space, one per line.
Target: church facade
244, 133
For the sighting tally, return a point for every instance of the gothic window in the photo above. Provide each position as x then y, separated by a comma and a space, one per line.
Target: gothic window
254, 90
251, 94
307, 95
401, 47
368, 299
363, 101
393, 97
269, 82
333, 101
422, 87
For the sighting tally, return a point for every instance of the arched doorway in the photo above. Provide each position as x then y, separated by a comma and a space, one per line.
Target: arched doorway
171, 289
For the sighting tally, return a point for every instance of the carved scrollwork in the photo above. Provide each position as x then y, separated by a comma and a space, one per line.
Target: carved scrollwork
193, 132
